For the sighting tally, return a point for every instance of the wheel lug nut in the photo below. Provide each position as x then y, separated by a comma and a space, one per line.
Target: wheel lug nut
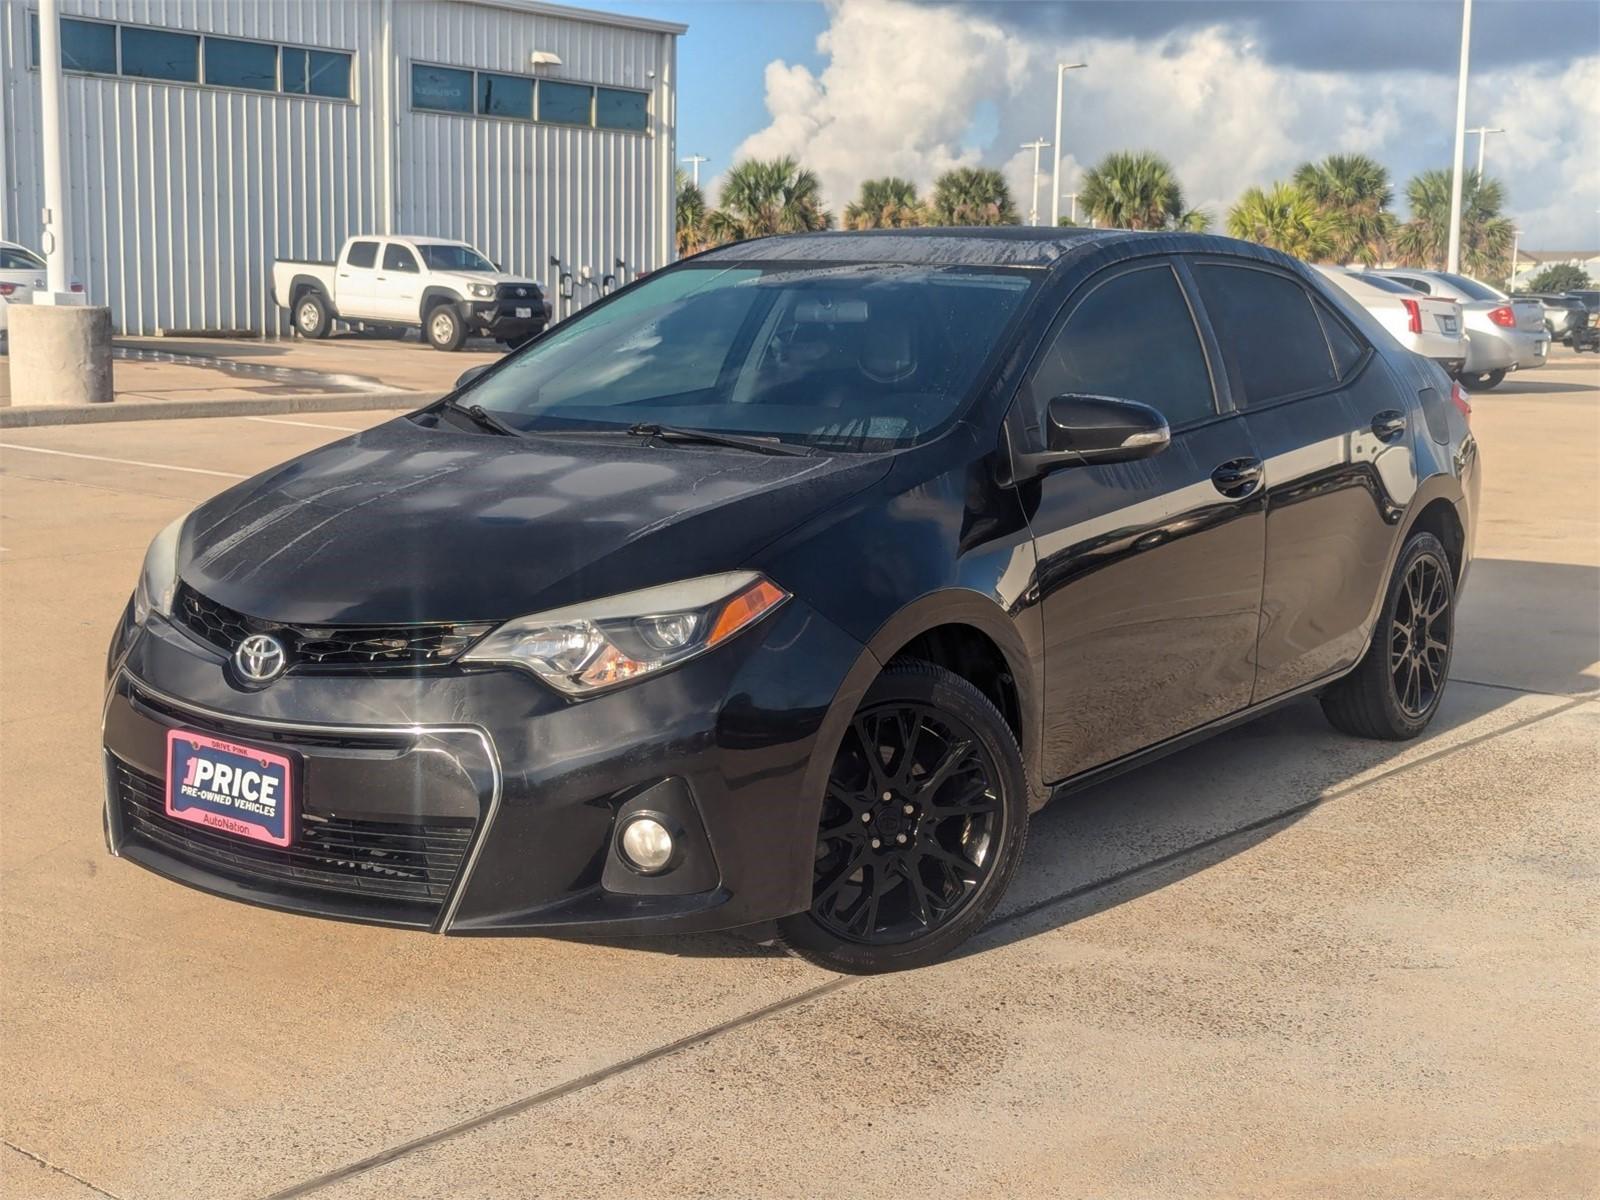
866, 818
876, 843
901, 838
909, 809
888, 795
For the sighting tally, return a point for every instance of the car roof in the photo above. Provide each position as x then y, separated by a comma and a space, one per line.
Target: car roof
976, 246
416, 240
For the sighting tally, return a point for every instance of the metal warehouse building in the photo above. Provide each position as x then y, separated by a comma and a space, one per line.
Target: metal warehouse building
207, 137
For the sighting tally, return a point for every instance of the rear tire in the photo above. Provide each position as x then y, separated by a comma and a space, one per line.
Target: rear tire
1396, 688
443, 327
1482, 381
311, 316
928, 741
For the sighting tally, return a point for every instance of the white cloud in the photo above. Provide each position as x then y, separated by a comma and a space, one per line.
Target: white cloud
903, 82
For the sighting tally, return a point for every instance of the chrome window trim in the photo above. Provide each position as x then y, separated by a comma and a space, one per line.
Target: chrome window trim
453, 901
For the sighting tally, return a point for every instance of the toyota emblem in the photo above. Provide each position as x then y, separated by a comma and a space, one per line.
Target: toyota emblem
260, 658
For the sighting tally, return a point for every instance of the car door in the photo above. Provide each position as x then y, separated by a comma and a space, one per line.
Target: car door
1333, 431
399, 285
1149, 572
356, 284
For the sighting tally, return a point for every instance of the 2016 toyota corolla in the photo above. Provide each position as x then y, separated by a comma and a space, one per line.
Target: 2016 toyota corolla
784, 584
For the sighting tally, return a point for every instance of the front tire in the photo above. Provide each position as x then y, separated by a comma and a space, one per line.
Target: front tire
922, 826
444, 328
1396, 688
1482, 381
311, 316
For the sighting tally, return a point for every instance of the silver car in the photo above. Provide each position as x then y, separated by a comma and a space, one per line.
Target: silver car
1427, 325
1502, 334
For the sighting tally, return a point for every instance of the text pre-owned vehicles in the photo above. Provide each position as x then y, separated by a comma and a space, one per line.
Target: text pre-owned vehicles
785, 583
1427, 325
447, 289
22, 272
1503, 334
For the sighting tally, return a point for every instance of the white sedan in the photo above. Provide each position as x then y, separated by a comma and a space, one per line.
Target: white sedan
22, 272
1431, 326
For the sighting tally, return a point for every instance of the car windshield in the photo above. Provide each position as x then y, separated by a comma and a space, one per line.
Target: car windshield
849, 357
1472, 289
454, 257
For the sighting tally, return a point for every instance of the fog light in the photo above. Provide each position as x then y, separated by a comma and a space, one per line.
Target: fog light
646, 845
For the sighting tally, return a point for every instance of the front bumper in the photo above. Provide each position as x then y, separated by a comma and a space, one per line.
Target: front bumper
478, 801
502, 319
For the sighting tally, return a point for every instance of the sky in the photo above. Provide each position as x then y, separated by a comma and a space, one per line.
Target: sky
1231, 92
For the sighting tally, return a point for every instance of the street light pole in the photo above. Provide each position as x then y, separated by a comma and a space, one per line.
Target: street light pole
56, 245
1483, 132
1453, 258
1036, 145
1073, 196
1511, 277
695, 160
1055, 171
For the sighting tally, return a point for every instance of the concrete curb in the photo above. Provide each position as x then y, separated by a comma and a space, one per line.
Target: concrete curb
30, 416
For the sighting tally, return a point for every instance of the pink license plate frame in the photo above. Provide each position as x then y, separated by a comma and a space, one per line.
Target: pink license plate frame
244, 791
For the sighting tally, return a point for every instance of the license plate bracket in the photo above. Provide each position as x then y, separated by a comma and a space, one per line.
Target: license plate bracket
524, 313
232, 787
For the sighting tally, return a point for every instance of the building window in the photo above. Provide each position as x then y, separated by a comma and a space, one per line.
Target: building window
85, 45
252, 65
157, 54
565, 103
91, 47
505, 96
616, 109
441, 89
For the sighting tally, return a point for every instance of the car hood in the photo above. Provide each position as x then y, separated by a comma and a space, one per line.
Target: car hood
462, 278
407, 524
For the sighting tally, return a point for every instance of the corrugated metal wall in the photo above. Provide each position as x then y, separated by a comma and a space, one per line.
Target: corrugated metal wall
181, 195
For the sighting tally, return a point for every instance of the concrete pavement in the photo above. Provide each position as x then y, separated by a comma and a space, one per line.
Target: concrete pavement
1281, 964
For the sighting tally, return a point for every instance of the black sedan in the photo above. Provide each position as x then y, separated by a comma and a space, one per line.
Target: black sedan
783, 585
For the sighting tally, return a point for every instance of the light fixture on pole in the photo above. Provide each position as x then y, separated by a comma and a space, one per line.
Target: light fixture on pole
1055, 171
694, 161
1483, 132
1453, 257
1036, 145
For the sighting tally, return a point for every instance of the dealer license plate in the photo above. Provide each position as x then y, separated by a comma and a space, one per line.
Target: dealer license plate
1447, 324
524, 312
227, 786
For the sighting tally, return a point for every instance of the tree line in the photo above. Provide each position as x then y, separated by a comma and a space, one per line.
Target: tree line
1336, 210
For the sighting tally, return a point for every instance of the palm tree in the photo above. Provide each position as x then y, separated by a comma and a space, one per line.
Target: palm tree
1196, 220
1284, 218
767, 196
1133, 190
692, 213
889, 203
1353, 194
971, 196
1486, 236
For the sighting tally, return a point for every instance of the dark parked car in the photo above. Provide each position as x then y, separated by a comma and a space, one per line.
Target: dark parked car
784, 585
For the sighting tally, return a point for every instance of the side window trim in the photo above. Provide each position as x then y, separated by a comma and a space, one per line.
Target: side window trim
1339, 382
1327, 311
1221, 403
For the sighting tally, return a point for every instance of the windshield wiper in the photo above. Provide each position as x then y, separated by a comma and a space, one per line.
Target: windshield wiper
677, 433
483, 418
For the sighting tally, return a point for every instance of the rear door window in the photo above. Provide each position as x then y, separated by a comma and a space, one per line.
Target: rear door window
1269, 333
1348, 349
362, 254
1132, 337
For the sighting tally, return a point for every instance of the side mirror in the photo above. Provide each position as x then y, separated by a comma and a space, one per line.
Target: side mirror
1104, 429
470, 374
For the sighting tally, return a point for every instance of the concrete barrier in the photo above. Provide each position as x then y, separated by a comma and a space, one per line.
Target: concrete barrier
60, 355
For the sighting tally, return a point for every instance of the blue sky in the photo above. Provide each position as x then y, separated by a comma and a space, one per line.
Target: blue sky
1233, 92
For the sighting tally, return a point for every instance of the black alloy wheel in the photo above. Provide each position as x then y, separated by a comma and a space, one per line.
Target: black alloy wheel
1395, 689
921, 828
1419, 636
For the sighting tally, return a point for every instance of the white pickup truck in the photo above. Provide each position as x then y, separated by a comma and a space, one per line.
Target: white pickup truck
447, 289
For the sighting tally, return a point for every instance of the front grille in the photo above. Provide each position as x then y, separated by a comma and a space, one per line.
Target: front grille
330, 647
385, 861
517, 291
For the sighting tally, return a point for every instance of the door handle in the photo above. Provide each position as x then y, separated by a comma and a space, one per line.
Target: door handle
1238, 477
1389, 424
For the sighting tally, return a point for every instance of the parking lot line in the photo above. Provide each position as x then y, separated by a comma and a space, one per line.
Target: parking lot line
126, 462
304, 424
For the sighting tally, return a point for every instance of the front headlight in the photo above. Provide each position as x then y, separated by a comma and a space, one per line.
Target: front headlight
604, 644
484, 291
158, 578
